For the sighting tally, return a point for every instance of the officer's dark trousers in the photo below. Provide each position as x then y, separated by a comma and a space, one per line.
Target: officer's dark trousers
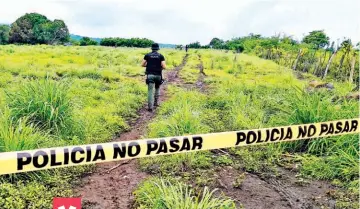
154, 83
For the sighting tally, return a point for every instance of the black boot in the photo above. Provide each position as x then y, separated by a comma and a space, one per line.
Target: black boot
156, 104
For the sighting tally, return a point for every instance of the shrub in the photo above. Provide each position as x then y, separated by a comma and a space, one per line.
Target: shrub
23, 196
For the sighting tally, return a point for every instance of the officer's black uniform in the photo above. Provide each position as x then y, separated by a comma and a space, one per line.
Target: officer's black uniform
154, 75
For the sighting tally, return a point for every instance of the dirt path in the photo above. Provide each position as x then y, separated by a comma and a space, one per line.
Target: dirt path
285, 191
200, 82
113, 190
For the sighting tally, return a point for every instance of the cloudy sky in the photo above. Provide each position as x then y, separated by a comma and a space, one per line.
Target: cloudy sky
184, 21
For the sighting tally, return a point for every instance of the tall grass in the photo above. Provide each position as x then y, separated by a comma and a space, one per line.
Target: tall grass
163, 194
107, 88
181, 115
257, 96
46, 104
17, 135
304, 107
332, 157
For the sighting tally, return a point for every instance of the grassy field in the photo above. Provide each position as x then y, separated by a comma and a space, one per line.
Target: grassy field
53, 96
245, 92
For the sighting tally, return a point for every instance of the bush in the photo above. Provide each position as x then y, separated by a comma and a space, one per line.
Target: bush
23, 196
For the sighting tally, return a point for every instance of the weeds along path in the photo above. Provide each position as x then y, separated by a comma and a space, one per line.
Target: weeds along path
200, 81
197, 75
111, 185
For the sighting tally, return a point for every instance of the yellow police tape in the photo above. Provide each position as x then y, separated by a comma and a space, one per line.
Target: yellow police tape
33, 160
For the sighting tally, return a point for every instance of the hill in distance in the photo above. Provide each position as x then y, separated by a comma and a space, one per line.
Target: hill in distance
78, 37
171, 46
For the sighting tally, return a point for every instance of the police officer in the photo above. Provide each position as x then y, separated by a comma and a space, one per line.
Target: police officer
154, 63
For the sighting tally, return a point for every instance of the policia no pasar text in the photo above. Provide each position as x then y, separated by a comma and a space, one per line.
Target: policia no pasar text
91, 154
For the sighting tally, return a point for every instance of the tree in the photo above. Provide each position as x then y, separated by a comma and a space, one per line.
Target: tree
254, 36
86, 41
345, 47
216, 43
52, 32
239, 48
297, 59
352, 69
328, 64
22, 30
355, 54
4, 34
288, 40
195, 45
179, 47
332, 47
317, 38
35, 28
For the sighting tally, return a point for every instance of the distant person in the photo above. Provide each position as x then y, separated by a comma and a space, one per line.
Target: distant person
186, 48
154, 63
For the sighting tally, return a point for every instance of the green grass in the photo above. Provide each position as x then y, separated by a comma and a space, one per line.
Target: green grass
17, 135
158, 193
31, 195
246, 93
181, 115
46, 104
56, 96
190, 72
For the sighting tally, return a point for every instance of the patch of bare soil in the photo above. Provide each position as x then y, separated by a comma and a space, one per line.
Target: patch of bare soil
270, 192
173, 76
111, 185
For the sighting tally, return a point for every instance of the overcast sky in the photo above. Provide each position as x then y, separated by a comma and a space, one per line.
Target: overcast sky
184, 21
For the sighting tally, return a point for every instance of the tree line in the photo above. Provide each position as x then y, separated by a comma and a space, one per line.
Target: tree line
115, 42
123, 42
34, 28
